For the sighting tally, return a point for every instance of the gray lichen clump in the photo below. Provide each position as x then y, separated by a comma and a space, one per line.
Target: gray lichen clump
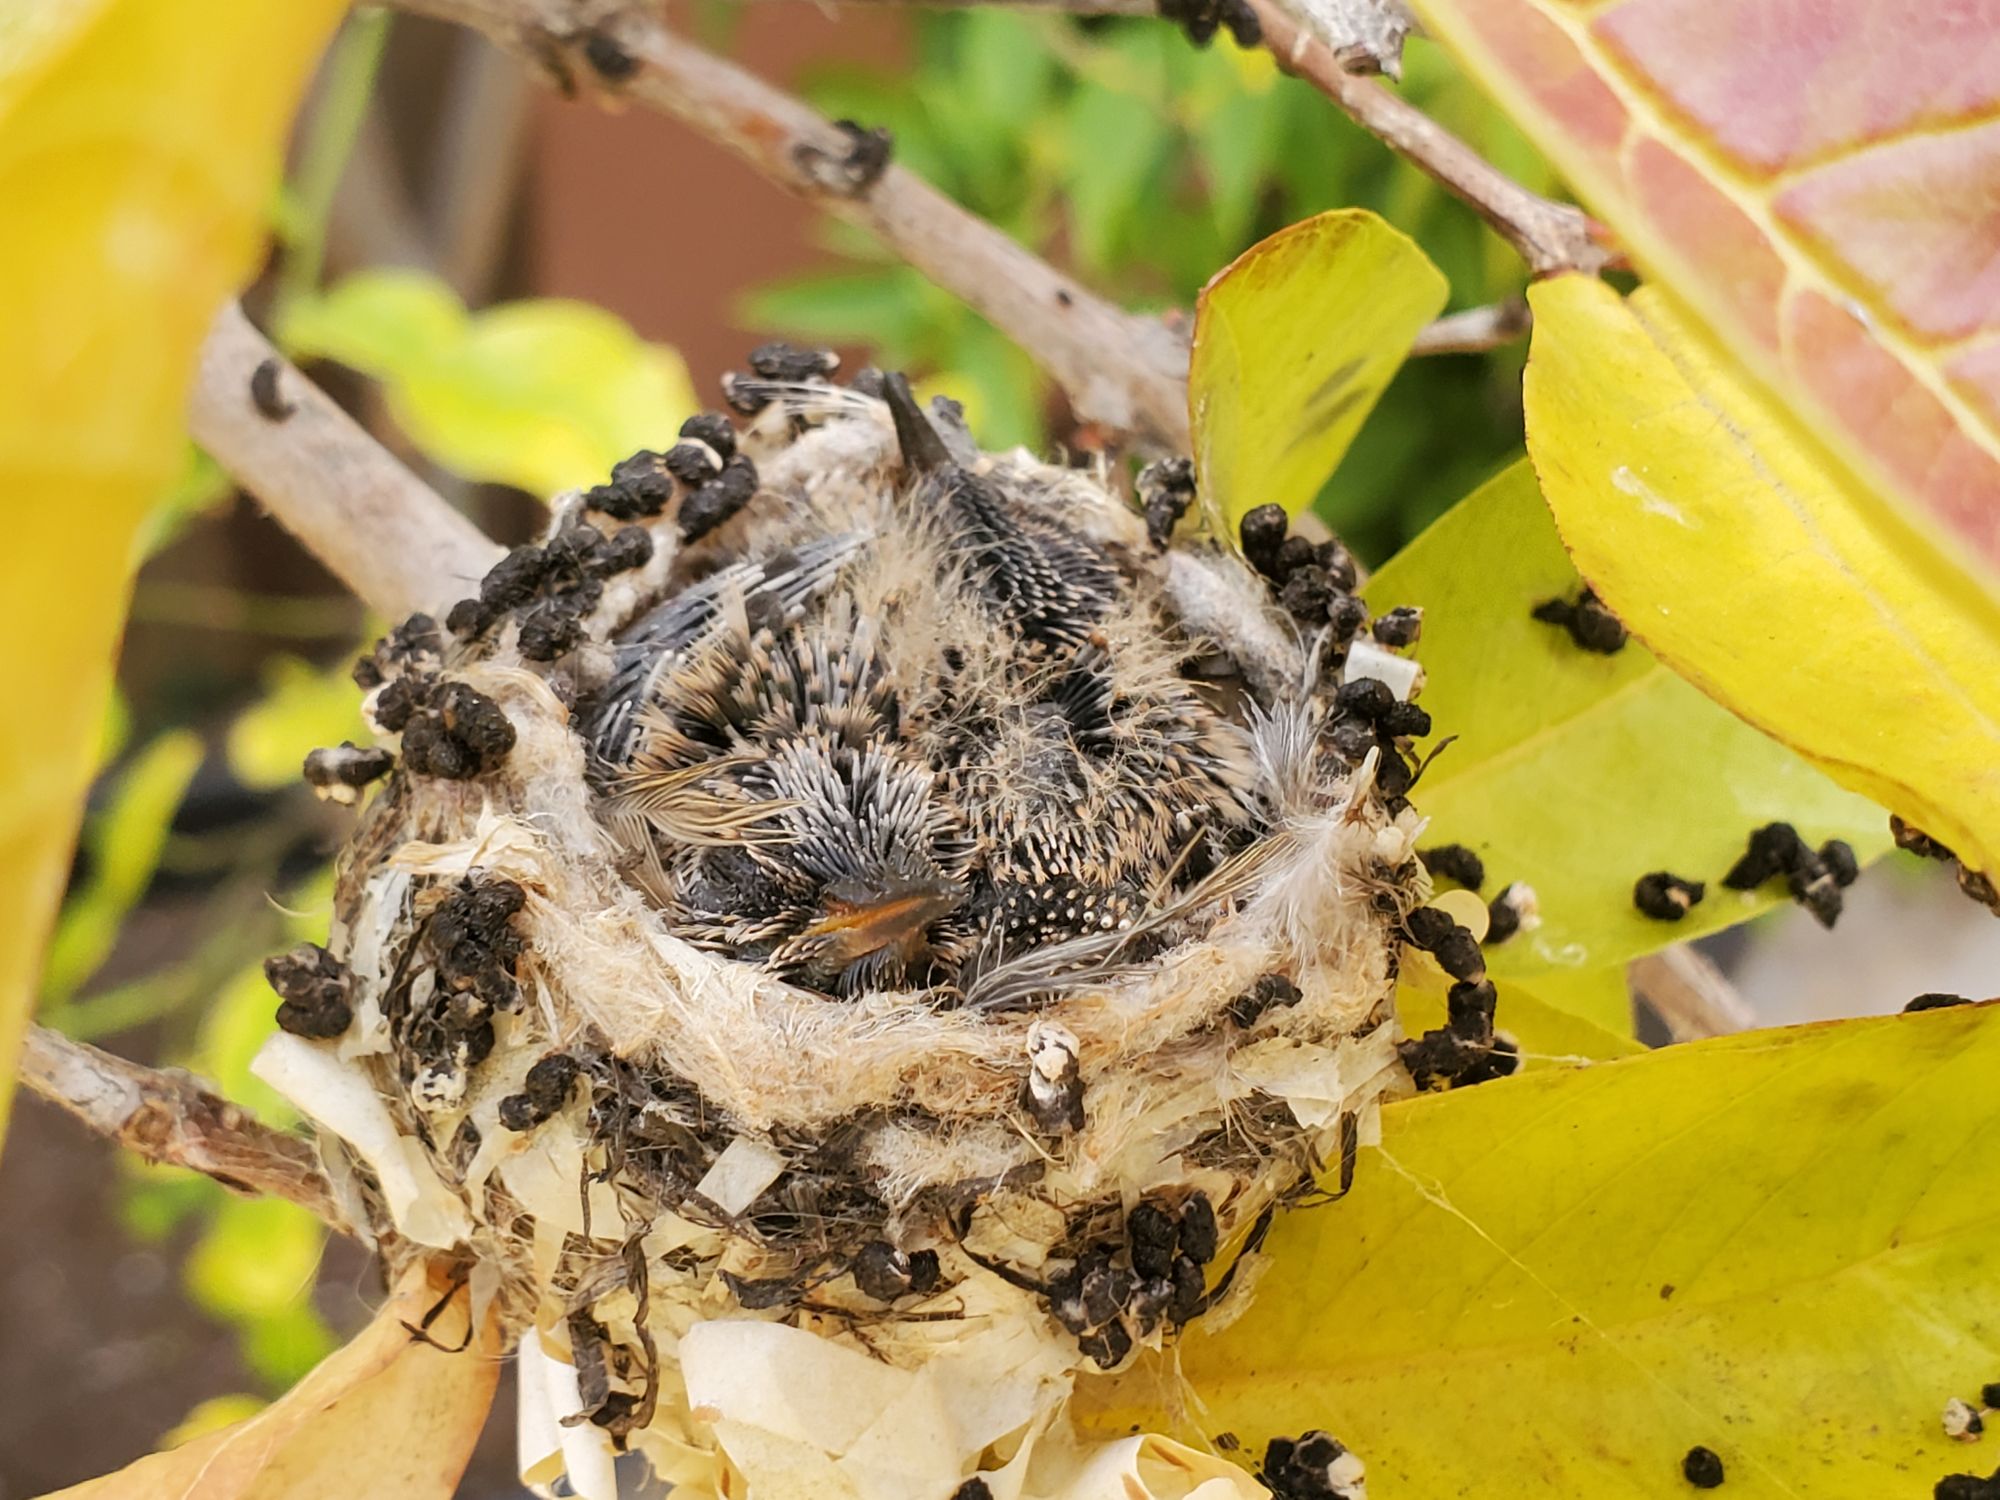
846, 897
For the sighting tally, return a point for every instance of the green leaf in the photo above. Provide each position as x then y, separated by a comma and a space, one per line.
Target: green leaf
1293, 343
125, 841
302, 708
254, 1266
1575, 772
1757, 568
1783, 1245
1116, 145
544, 394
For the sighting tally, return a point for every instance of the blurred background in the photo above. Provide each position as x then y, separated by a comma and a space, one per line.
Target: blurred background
513, 291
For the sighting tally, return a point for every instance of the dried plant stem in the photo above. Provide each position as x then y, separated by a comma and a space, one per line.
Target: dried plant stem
1475, 330
384, 532
1123, 371
169, 1117
1550, 237
1692, 997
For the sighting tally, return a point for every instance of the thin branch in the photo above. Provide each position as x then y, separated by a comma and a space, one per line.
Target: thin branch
169, 1117
1692, 997
383, 531
1475, 330
1550, 237
1121, 370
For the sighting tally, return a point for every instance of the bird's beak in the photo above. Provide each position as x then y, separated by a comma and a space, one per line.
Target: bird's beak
851, 930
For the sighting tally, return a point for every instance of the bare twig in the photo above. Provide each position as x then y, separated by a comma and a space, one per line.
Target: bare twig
1121, 370
169, 1117
1550, 237
1692, 997
1475, 330
384, 532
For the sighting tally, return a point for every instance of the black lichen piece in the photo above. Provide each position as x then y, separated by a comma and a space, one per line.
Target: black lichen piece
855, 168
1916, 841
608, 58
1166, 490
514, 580
1469, 1010
720, 499
1774, 850
1989, 1395
1455, 862
1937, 1000
1053, 1091
1459, 955
1294, 553
1406, 721
1965, 1487
974, 1488
1196, 1233
468, 618
1201, 19
1400, 627
450, 730
626, 548
1979, 886
714, 429
265, 393
549, 628
1364, 698
1307, 593
1313, 1466
1150, 1236
313, 991
1838, 857
1666, 897
693, 464
1262, 533
1702, 1468
1268, 990
1428, 926
1815, 888
1346, 615
1503, 915
782, 361
543, 1092
1339, 563
1106, 1346
642, 485
473, 944
346, 767
883, 1272
1589, 622
415, 646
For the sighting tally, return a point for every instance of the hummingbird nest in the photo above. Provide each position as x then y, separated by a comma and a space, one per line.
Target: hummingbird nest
859, 930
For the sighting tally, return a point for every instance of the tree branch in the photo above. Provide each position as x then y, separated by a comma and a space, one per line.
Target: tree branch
1692, 997
1121, 370
1475, 330
383, 531
1550, 237
169, 1117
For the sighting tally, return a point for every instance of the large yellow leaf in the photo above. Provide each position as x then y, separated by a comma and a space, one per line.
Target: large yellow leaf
1783, 1246
384, 1416
1754, 569
1816, 178
1578, 773
138, 147
1293, 343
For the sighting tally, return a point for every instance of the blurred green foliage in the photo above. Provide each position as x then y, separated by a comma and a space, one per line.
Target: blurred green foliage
1148, 164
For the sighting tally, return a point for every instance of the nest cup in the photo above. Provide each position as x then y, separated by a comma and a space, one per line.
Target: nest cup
859, 931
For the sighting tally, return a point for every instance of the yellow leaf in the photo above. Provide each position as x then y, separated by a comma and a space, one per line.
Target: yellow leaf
1756, 571
1293, 343
1577, 773
1553, 1019
138, 146
385, 1415
1784, 1246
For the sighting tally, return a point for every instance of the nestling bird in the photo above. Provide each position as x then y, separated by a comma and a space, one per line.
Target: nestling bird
943, 721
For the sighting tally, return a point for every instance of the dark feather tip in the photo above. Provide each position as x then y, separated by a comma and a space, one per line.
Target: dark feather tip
923, 449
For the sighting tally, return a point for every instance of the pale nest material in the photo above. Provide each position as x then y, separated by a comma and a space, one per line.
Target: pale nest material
854, 1237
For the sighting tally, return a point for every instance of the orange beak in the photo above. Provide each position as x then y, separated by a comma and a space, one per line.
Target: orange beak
855, 929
